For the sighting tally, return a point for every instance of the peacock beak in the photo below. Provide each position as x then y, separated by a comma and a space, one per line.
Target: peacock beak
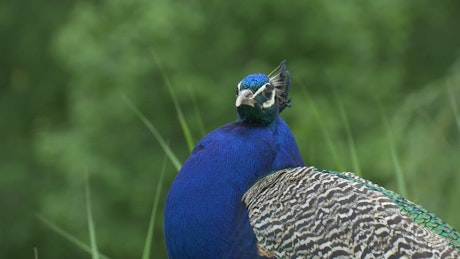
245, 97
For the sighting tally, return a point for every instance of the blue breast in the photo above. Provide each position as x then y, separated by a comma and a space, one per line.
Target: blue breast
204, 214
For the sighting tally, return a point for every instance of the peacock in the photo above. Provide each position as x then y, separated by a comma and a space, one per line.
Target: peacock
245, 192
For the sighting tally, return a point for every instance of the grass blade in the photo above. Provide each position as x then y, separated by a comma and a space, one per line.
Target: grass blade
351, 142
180, 114
453, 103
172, 157
197, 112
68, 236
156, 201
89, 215
326, 134
397, 165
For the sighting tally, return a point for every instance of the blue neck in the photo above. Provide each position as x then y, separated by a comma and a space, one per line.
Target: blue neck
204, 214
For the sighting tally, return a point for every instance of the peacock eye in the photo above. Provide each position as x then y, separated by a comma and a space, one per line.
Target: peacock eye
238, 88
269, 87
268, 90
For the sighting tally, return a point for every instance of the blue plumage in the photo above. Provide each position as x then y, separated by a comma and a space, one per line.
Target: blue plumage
204, 214
254, 81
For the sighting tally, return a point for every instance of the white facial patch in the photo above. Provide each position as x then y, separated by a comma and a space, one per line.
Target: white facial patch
269, 102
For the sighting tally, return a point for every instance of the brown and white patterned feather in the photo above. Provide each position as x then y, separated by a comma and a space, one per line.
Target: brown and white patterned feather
305, 213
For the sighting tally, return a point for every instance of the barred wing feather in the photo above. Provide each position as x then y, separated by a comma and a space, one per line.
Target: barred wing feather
306, 212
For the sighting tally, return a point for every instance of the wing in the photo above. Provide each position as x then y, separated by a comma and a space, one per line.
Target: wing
417, 213
307, 212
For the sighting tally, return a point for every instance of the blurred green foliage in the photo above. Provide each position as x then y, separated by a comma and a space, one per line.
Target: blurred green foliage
66, 65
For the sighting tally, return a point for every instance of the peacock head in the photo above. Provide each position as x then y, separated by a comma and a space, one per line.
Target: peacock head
260, 98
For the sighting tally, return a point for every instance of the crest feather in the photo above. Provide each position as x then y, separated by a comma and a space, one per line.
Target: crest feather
280, 79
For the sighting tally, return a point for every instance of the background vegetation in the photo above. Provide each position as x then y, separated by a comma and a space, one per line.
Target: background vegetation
375, 88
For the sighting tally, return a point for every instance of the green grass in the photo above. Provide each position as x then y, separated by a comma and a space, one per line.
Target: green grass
66, 235
71, 238
166, 148
398, 172
351, 141
453, 104
402, 189
319, 120
199, 119
180, 115
89, 214
92, 247
156, 202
